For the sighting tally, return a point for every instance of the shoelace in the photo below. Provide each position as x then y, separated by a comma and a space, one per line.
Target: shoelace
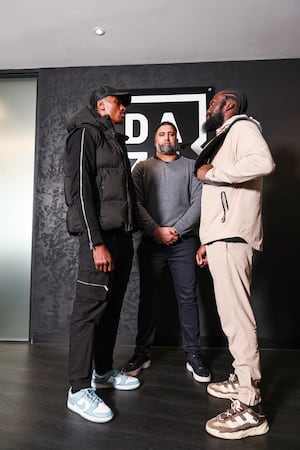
234, 408
232, 377
93, 397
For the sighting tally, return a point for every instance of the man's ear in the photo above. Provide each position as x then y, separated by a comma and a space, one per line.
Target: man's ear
230, 104
100, 107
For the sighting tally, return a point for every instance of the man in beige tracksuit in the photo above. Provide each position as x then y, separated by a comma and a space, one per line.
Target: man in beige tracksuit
230, 232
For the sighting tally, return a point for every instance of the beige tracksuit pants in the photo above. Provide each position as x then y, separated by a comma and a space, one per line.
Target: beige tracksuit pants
230, 264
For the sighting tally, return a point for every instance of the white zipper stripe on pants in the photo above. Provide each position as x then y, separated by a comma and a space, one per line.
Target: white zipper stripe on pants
81, 189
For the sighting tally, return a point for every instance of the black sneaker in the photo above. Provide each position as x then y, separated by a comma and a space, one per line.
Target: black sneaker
195, 365
138, 362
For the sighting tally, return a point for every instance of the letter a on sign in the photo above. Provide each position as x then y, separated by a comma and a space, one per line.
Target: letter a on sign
169, 117
184, 107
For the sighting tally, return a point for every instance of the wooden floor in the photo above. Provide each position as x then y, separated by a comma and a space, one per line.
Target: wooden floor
168, 412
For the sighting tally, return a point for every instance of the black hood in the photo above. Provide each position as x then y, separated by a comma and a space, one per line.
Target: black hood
87, 116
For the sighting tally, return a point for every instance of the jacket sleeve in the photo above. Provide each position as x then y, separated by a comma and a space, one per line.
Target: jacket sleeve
82, 147
192, 215
146, 223
253, 158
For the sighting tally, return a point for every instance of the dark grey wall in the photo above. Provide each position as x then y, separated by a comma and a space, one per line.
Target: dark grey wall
273, 92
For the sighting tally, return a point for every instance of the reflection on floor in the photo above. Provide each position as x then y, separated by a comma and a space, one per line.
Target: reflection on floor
168, 412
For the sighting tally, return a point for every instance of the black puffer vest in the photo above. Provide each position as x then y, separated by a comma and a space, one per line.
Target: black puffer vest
116, 204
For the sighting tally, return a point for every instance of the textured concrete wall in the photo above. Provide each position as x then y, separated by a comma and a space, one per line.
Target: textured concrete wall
273, 91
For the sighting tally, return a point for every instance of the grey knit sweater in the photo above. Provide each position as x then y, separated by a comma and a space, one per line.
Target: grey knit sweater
168, 194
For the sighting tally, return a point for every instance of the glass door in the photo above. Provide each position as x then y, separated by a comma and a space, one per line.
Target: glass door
17, 145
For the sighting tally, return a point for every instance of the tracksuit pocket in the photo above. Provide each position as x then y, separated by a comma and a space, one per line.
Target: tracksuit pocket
92, 284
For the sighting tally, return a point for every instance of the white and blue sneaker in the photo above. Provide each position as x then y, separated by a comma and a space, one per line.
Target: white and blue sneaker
88, 405
114, 379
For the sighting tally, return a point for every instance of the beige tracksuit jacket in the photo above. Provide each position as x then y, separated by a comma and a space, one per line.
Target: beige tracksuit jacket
232, 192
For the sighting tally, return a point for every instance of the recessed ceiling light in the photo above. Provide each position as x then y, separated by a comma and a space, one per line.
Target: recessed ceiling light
99, 31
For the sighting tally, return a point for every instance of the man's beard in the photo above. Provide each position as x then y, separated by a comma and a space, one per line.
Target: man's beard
167, 149
213, 122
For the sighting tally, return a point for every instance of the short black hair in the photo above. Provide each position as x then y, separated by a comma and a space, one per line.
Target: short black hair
238, 97
165, 123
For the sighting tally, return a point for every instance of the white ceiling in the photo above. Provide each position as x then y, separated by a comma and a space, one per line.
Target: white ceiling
59, 33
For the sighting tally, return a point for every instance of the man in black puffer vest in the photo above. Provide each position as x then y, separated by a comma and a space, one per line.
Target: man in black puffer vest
102, 211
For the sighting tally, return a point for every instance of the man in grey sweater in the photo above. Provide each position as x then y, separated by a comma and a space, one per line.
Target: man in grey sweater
168, 196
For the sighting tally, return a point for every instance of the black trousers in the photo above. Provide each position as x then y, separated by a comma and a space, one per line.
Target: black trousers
97, 308
180, 257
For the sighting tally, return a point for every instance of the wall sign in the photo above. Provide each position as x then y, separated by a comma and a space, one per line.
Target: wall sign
185, 107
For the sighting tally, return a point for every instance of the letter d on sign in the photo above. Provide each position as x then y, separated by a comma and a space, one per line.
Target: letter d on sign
130, 118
